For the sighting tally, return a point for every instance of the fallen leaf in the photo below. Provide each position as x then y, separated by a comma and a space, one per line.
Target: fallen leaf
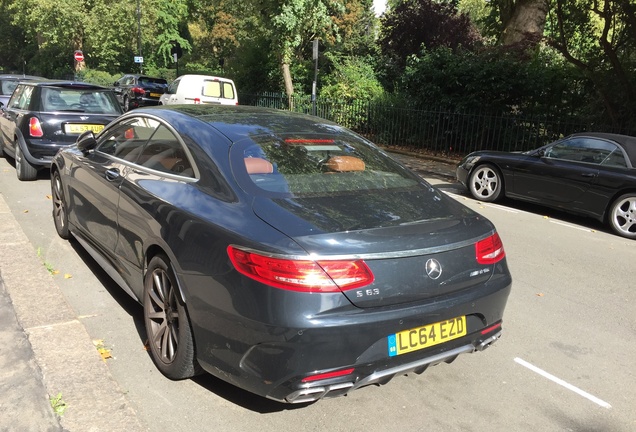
54, 272
546, 217
67, 276
105, 353
48, 197
25, 211
540, 294
147, 345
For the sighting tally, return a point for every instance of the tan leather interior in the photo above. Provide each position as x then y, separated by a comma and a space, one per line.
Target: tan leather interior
345, 164
258, 166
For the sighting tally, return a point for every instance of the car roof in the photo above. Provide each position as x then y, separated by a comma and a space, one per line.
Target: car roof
68, 84
628, 143
20, 77
237, 122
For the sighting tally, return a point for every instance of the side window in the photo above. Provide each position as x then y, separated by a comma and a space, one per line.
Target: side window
212, 89
228, 90
21, 97
165, 153
588, 150
172, 88
126, 140
615, 159
15, 97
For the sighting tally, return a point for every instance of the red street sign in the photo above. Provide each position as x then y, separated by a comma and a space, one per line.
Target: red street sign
79, 57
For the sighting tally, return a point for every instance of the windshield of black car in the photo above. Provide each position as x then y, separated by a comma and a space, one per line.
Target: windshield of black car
86, 100
318, 166
7, 87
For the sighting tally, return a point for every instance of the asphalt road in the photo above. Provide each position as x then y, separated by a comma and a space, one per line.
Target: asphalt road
564, 363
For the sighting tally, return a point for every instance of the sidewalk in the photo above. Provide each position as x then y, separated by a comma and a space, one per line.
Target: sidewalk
45, 351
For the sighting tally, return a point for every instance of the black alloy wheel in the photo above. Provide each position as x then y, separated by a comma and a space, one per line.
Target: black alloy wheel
60, 214
167, 325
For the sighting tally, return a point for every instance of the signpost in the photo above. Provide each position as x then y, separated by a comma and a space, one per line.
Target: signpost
78, 56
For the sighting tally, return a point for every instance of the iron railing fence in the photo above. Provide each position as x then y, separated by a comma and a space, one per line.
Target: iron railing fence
435, 130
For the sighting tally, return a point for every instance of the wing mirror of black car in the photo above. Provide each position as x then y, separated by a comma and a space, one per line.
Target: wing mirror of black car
540, 153
86, 142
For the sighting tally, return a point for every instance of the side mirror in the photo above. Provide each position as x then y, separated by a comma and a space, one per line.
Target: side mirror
116, 84
86, 142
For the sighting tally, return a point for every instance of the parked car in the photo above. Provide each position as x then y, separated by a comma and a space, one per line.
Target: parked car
590, 174
43, 116
9, 82
281, 253
200, 89
134, 91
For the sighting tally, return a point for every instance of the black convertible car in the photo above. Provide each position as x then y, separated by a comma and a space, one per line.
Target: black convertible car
280, 252
590, 174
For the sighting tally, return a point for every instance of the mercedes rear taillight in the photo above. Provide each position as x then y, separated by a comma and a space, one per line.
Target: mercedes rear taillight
301, 275
490, 250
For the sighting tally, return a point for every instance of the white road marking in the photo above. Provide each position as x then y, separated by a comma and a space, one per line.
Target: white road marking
563, 383
570, 225
498, 207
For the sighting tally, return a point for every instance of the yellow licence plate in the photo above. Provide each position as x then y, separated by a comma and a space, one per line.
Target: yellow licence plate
426, 336
155, 94
79, 128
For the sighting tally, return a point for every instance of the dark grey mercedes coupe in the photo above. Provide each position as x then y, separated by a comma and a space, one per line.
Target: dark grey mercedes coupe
280, 252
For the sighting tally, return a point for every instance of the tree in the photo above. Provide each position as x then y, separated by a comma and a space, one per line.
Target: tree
599, 38
294, 24
523, 21
409, 25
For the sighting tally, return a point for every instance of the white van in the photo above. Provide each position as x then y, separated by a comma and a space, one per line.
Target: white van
200, 89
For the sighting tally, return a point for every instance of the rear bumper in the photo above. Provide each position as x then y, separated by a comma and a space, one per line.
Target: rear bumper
275, 360
41, 152
316, 391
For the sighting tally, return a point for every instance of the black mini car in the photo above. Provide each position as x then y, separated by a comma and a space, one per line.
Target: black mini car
280, 252
134, 91
43, 116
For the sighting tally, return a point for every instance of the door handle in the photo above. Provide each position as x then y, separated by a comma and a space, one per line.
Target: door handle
588, 175
112, 174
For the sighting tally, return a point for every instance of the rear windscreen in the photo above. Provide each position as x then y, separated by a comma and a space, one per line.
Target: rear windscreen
218, 89
79, 100
319, 165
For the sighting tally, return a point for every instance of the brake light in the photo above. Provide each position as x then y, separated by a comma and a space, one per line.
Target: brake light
197, 100
35, 129
490, 250
327, 375
301, 275
138, 90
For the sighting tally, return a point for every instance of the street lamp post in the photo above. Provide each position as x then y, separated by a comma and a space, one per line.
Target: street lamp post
139, 34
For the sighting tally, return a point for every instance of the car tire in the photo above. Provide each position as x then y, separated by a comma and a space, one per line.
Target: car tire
60, 213
622, 216
23, 168
485, 183
170, 339
126, 107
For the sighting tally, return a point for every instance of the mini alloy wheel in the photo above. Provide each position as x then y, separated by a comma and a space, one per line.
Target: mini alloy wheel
485, 183
24, 170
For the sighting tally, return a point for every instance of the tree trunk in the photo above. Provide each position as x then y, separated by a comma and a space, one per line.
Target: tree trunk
526, 23
289, 85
